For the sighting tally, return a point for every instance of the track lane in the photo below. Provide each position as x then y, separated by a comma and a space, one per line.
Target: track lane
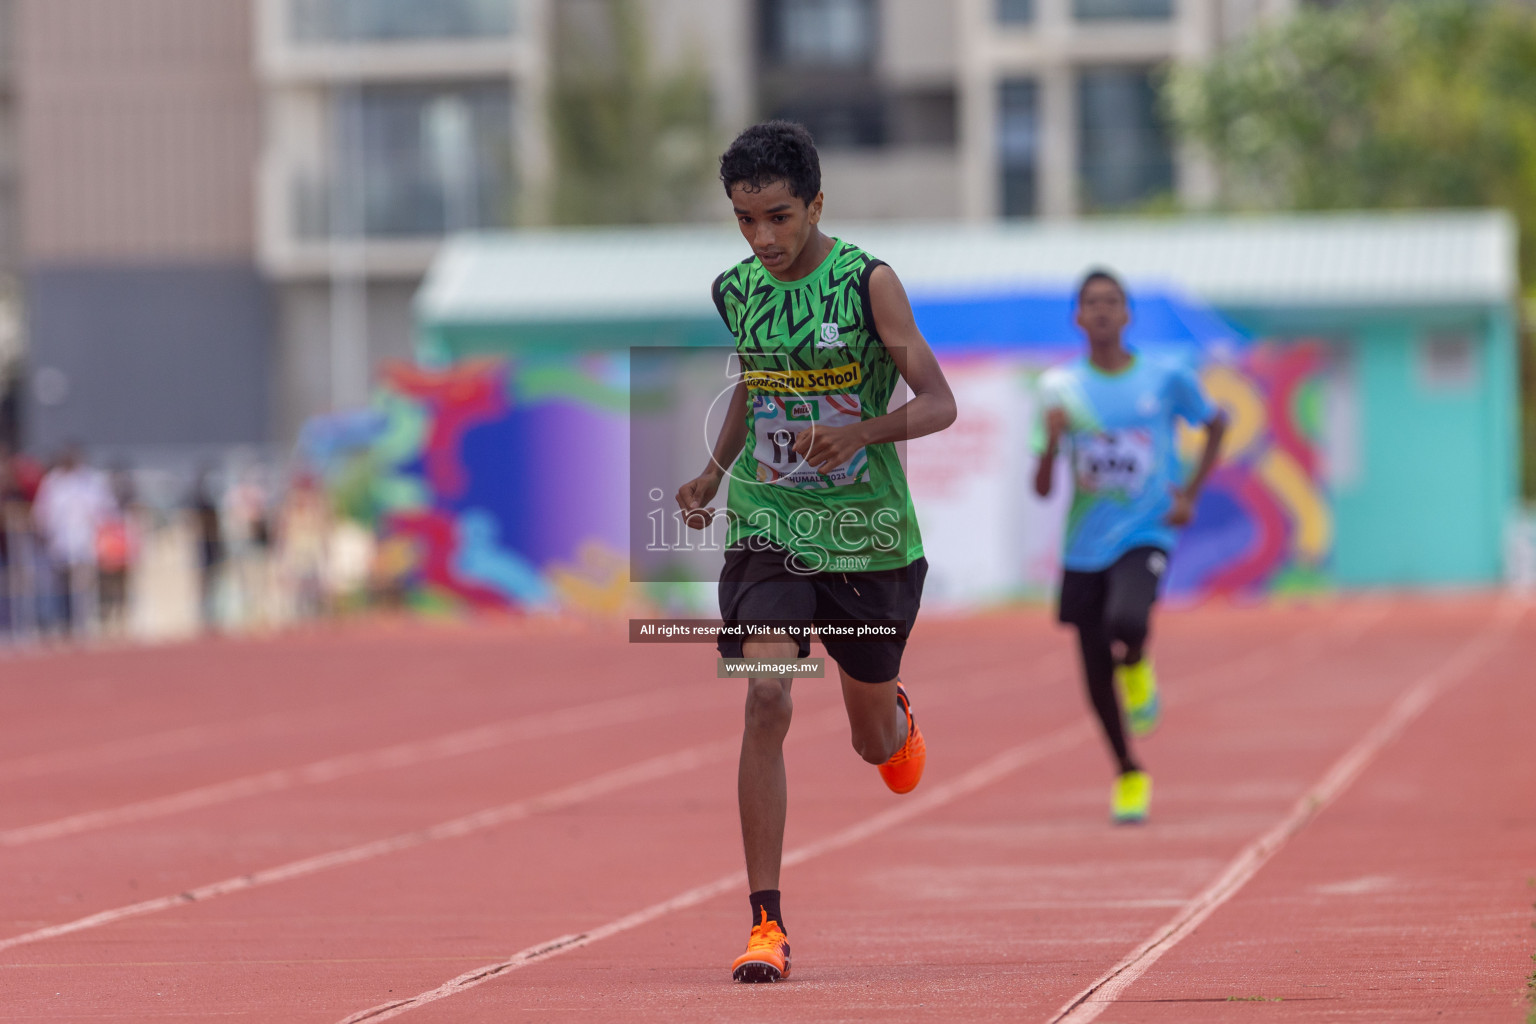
1070, 737
1420, 693
359, 797
1408, 899
991, 716
842, 914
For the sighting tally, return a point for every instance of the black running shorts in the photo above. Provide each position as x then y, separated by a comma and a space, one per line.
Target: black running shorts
758, 585
1124, 592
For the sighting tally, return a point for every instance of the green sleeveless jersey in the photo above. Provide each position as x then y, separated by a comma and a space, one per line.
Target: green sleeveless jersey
811, 358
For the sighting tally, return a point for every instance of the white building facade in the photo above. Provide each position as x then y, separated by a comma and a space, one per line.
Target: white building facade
389, 124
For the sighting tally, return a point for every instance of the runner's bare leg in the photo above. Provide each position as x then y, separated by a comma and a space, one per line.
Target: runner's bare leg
761, 790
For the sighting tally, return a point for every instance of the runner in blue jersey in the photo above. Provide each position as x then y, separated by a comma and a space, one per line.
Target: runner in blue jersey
1113, 414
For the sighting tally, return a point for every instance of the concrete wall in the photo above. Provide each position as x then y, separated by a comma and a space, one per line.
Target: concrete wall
149, 323
149, 357
892, 184
140, 130
303, 357
1423, 453
1431, 498
10, 234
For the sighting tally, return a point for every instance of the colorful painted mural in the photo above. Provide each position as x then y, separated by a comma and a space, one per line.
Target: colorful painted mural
502, 486
1264, 524
492, 486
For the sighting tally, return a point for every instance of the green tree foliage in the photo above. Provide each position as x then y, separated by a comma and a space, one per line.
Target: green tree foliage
1375, 103
630, 146
1378, 104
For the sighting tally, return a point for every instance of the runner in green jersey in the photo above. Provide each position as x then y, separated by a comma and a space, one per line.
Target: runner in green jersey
812, 360
821, 528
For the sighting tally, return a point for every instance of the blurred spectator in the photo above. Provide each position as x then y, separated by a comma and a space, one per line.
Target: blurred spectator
209, 537
349, 559
301, 535
117, 543
7, 626
21, 557
248, 534
25, 474
72, 503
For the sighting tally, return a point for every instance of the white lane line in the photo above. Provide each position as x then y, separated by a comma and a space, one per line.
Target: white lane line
399, 756
617, 711
649, 770
597, 715
1097, 997
171, 741
998, 767
365, 851
1262, 663
984, 774
644, 771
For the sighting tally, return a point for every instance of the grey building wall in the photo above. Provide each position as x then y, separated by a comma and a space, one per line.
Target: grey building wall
148, 320
140, 130
133, 358
303, 354
10, 237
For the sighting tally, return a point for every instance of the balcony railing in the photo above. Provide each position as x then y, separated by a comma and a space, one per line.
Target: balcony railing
407, 206
399, 21
413, 161
1095, 10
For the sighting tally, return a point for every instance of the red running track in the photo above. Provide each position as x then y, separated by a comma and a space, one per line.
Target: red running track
536, 822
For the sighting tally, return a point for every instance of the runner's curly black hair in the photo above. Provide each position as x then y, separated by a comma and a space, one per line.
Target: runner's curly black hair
769, 152
1100, 274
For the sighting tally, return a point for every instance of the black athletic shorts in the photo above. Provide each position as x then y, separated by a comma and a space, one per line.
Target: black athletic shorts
758, 585
1124, 591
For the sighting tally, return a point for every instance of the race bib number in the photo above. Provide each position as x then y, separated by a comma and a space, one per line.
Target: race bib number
778, 421
1119, 461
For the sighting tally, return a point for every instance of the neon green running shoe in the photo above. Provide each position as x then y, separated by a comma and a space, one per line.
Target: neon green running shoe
1131, 799
1138, 692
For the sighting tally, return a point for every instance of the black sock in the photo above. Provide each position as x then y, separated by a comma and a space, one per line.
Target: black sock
767, 899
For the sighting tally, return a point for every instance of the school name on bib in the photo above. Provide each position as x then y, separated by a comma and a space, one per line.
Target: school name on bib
797, 381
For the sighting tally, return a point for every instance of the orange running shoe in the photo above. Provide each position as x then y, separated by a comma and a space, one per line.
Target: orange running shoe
904, 770
767, 955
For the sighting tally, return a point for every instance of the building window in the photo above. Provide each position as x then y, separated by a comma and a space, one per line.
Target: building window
416, 161
1124, 153
819, 33
1015, 12
1448, 362
872, 118
837, 122
1096, 10
817, 67
1018, 139
346, 21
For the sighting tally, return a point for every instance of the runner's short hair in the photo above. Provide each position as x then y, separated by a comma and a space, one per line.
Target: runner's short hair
769, 152
1100, 274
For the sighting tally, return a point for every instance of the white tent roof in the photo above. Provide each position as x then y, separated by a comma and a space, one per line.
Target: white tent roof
1355, 259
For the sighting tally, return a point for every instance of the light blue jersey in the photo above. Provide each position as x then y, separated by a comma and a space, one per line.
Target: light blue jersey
1121, 447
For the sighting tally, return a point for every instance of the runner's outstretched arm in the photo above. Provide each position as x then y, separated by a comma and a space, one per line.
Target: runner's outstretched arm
1045, 469
932, 406
1184, 498
694, 495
